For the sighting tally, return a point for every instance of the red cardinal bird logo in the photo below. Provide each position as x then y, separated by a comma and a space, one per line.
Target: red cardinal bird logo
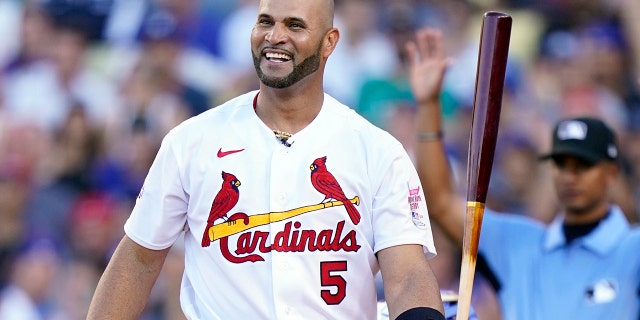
326, 184
226, 199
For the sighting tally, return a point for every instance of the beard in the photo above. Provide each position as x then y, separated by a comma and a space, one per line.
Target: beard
305, 68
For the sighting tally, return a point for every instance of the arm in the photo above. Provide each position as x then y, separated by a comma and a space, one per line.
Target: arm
427, 63
408, 280
125, 285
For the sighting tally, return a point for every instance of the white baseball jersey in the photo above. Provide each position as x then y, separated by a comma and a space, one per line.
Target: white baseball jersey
271, 231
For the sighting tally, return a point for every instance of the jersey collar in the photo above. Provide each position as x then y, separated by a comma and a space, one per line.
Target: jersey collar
601, 240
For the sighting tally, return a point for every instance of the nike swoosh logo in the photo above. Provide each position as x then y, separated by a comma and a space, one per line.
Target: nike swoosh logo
226, 153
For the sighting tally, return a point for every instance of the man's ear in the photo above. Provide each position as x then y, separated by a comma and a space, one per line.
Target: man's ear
613, 171
330, 42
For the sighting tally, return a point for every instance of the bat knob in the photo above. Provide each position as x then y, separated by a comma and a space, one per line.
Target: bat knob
496, 14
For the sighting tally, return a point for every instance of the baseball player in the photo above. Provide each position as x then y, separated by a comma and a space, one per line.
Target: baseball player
290, 203
585, 264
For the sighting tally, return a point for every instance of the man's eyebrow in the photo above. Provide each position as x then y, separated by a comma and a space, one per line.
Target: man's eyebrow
287, 20
297, 20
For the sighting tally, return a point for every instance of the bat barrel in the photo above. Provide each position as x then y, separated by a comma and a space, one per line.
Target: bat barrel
490, 75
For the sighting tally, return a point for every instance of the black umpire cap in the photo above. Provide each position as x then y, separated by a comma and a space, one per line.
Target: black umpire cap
589, 139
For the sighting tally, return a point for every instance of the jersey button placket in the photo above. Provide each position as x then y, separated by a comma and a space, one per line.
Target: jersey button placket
279, 267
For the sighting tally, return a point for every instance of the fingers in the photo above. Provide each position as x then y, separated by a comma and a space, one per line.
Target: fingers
428, 64
425, 42
436, 43
428, 45
412, 53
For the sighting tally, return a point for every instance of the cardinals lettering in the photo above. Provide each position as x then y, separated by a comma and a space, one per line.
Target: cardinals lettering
227, 198
291, 239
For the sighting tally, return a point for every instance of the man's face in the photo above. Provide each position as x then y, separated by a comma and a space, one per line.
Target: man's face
287, 41
580, 185
300, 70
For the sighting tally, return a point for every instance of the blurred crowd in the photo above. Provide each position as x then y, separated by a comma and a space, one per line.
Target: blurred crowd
88, 89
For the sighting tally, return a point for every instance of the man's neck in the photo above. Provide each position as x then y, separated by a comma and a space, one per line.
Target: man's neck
591, 214
287, 110
578, 230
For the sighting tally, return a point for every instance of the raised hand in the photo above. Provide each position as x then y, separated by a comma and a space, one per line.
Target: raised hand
427, 64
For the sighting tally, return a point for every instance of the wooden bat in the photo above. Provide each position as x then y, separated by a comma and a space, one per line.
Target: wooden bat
490, 75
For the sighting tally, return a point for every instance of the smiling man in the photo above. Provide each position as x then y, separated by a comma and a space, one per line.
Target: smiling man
290, 203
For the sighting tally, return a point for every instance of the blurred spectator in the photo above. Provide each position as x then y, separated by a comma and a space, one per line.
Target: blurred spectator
20, 148
603, 41
384, 95
14, 194
235, 48
121, 171
75, 147
364, 51
28, 295
632, 146
180, 67
516, 172
380, 100
63, 174
30, 43
10, 15
94, 228
193, 25
153, 104
62, 80
74, 287
124, 21
235, 31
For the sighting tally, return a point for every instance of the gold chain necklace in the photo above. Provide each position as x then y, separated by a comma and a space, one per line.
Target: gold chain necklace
282, 135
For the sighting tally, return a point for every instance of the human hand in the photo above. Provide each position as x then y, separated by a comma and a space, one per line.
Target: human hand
427, 65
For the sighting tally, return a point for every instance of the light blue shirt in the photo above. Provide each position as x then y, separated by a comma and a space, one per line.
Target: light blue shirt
541, 277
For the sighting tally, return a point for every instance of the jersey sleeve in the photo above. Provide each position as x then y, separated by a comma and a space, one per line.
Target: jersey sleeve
400, 213
159, 214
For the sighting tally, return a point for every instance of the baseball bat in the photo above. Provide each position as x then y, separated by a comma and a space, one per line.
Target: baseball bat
490, 76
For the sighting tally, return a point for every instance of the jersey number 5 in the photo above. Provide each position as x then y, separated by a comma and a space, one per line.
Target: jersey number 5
327, 279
